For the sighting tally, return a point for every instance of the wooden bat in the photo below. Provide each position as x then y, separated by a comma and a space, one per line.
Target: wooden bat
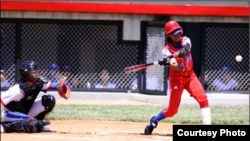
135, 68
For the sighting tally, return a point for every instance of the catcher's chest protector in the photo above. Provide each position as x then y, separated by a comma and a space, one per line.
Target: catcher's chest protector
24, 105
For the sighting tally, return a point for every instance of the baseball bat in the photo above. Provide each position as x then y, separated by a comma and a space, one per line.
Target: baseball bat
135, 68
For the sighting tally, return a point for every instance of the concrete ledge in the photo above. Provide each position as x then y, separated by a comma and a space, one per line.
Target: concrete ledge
214, 98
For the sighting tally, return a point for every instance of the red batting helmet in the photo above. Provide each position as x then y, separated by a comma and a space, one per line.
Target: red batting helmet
172, 26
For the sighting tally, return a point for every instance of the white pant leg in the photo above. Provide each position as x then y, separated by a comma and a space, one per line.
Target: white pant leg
36, 108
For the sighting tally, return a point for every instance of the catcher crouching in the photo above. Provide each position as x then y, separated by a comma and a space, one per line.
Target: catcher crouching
23, 111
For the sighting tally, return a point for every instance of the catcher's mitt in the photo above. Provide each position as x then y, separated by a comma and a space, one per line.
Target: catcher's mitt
62, 89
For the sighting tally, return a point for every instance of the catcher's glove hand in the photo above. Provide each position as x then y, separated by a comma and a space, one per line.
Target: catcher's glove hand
62, 89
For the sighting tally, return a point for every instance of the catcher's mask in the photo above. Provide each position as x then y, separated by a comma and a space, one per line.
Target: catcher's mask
29, 71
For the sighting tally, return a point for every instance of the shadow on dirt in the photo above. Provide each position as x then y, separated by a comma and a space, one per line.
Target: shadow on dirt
169, 135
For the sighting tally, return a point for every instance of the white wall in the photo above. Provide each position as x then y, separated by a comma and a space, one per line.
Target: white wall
131, 22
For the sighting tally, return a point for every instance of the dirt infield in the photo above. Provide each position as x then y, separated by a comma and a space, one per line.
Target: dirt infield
95, 130
92, 130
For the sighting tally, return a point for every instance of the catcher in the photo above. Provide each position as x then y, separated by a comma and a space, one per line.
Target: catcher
23, 110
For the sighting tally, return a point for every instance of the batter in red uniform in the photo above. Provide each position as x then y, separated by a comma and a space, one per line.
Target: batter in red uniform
177, 55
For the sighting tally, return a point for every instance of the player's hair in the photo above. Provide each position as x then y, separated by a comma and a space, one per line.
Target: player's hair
169, 40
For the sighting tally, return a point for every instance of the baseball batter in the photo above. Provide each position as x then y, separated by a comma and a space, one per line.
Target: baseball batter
177, 55
23, 111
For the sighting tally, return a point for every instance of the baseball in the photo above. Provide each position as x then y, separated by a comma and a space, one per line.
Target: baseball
238, 58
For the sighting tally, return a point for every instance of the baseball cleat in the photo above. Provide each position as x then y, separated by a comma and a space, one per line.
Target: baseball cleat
150, 126
46, 129
46, 124
2, 129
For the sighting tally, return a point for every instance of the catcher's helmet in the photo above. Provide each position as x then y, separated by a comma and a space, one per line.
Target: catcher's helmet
172, 26
25, 70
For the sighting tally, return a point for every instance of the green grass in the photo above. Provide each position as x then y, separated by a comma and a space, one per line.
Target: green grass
141, 113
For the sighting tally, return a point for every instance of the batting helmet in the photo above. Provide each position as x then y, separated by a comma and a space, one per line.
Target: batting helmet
25, 69
173, 27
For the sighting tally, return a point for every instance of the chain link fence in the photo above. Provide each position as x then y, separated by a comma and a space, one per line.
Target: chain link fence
81, 49
155, 78
8, 51
222, 44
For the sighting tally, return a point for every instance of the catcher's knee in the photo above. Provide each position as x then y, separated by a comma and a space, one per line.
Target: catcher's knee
49, 102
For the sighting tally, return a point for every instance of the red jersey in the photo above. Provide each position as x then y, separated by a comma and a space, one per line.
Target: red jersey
185, 63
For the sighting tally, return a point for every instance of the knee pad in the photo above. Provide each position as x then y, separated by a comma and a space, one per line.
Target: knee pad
48, 101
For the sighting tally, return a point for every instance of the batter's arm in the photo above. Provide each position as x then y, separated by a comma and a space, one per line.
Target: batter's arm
184, 51
185, 47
